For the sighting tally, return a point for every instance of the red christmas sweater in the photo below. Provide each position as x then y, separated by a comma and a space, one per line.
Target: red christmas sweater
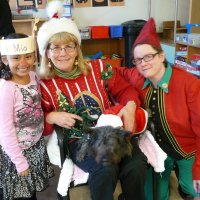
86, 91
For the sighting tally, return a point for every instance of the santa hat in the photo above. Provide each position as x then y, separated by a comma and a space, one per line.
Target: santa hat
55, 25
110, 118
148, 35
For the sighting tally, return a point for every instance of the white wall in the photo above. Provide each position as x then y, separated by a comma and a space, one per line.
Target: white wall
133, 9
169, 52
165, 10
161, 10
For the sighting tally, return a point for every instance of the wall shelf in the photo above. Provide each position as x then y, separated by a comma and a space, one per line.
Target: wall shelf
194, 18
108, 46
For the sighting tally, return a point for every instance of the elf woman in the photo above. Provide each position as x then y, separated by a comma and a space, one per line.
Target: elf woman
172, 97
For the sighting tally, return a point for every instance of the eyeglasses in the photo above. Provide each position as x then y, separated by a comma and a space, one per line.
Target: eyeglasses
146, 58
67, 49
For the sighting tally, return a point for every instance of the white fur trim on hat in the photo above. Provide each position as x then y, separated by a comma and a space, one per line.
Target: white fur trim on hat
53, 26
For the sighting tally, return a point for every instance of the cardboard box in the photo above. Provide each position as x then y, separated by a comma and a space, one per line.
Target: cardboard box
114, 62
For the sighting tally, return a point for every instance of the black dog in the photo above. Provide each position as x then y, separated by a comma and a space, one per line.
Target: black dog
106, 144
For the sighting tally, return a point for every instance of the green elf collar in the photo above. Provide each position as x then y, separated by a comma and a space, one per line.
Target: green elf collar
164, 82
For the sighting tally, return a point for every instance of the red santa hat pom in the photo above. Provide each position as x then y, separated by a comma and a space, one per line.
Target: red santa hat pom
55, 25
148, 35
141, 117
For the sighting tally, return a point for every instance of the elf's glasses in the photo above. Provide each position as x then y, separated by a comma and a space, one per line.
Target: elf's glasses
146, 58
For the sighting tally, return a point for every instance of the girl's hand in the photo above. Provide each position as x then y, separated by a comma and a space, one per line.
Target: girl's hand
127, 113
24, 173
63, 119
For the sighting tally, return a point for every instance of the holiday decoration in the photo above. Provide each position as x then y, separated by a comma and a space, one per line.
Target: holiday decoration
84, 112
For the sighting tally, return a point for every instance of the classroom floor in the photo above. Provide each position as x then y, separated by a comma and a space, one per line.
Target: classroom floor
51, 193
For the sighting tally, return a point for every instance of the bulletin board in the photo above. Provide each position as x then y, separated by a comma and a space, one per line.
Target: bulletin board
27, 4
97, 3
41, 4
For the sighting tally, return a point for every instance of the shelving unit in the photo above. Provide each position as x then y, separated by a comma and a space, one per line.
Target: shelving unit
194, 18
108, 46
191, 49
26, 25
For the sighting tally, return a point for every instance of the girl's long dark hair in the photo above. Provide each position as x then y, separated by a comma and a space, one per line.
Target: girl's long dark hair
5, 72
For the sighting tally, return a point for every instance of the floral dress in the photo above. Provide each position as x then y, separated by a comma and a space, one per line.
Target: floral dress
22, 145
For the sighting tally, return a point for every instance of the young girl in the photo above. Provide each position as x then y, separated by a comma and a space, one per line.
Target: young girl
25, 167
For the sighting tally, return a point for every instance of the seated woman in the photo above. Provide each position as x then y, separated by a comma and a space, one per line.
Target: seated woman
64, 72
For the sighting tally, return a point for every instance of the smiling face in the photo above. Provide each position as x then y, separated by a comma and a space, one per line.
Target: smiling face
63, 53
20, 65
152, 68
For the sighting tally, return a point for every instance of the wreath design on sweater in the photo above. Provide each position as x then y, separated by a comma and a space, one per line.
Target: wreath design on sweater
89, 114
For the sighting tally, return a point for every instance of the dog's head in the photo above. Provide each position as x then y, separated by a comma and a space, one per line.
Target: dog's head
106, 144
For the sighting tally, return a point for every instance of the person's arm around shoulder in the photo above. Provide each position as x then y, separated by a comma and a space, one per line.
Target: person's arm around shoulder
131, 75
125, 113
121, 89
126, 95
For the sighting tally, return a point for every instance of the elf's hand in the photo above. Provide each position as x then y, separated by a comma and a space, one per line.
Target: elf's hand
63, 119
127, 114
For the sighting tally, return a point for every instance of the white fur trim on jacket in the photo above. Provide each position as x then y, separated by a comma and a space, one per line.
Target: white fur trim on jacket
65, 177
155, 155
70, 171
109, 120
53, 149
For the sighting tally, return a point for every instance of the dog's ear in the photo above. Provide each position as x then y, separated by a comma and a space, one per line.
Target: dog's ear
123, 132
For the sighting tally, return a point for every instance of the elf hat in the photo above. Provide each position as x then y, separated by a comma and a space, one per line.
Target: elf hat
148, 35
55, 25
110, 118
